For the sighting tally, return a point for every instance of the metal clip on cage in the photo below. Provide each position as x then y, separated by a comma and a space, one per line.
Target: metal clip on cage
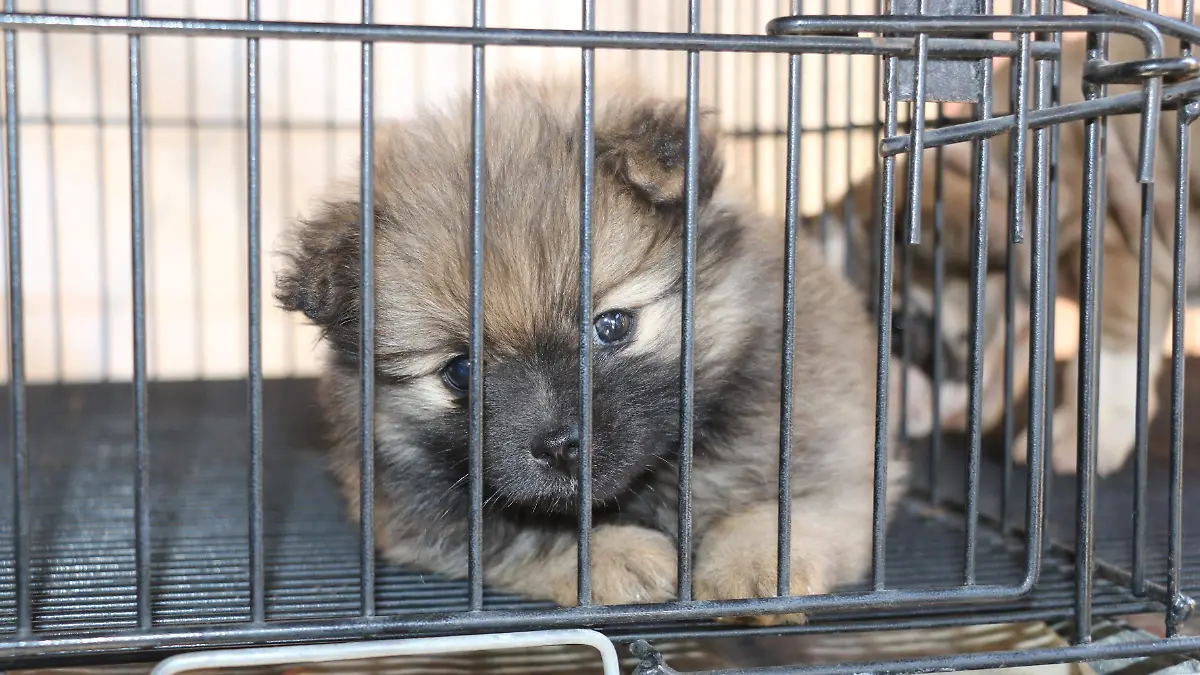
1002, 567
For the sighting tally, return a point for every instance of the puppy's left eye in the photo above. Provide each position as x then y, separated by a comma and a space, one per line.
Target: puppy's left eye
613, 326
457, 374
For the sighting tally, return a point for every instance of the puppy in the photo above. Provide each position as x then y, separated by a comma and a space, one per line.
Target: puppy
531, 263
1118, 318
913, 331
1121, 248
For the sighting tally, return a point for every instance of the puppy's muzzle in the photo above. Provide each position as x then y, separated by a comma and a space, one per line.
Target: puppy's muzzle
557, 448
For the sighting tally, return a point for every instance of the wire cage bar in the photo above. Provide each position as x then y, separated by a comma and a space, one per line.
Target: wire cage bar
191, 562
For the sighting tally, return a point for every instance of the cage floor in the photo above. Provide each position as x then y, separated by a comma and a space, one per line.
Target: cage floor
83, 573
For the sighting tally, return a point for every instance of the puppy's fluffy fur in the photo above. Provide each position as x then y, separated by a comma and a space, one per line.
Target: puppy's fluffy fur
531, 263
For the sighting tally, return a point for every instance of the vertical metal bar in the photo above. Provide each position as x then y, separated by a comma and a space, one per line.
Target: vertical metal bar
16, 340
587, 187
848, 204
475, 398
1039, 352
1018, 138
138, 245
97, 121
1141, 450
687, 365
978, 287
1089, 283
916, 158
798, 9
877, 127
939, 281
254, 253
916, 163
826, 128
787, 373
366, 372
883, 307
1177, 608
1102, 213
1051, 273
56, 299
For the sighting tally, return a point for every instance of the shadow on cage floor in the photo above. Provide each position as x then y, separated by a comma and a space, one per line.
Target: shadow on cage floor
81, 450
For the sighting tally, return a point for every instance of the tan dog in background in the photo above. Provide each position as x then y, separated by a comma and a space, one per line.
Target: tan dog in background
1117, 354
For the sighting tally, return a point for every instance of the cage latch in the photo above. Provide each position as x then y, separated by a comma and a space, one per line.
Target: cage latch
948, 80
1173, 70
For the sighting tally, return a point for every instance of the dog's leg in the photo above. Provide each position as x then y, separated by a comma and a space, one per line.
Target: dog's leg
1062, 449
737, 556
1116, 398
1117, 405
919, 412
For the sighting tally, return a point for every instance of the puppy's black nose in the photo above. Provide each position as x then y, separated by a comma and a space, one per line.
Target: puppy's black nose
557, 447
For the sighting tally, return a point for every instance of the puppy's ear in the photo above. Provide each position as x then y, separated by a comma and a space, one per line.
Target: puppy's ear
645, 146
321, 277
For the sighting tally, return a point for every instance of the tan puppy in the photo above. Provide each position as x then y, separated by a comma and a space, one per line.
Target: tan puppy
531, 264
917, 328
1119, 295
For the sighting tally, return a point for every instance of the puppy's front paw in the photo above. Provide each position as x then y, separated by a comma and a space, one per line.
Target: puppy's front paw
736, 563
630, 565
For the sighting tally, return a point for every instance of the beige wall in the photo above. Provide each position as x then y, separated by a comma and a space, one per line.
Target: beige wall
75, 169
78, 213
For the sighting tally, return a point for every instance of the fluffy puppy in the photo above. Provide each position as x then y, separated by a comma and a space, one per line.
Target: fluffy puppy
855, 213
531, 262
1120, 244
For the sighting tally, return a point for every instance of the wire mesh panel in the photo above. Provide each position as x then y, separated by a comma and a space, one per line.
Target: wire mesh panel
961, 165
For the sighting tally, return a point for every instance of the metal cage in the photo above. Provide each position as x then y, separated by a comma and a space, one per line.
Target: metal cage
170, 521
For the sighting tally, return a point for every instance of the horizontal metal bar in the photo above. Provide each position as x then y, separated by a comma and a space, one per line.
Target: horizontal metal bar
217, 123
982, 660
886, 622
497, 620
1121, 104
1165, 24
704, 42
915, 25
78, 649
1176, 69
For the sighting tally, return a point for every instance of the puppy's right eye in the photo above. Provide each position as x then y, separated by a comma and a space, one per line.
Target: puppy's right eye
457, 373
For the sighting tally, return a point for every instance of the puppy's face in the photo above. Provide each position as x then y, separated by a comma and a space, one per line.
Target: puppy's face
531, 292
